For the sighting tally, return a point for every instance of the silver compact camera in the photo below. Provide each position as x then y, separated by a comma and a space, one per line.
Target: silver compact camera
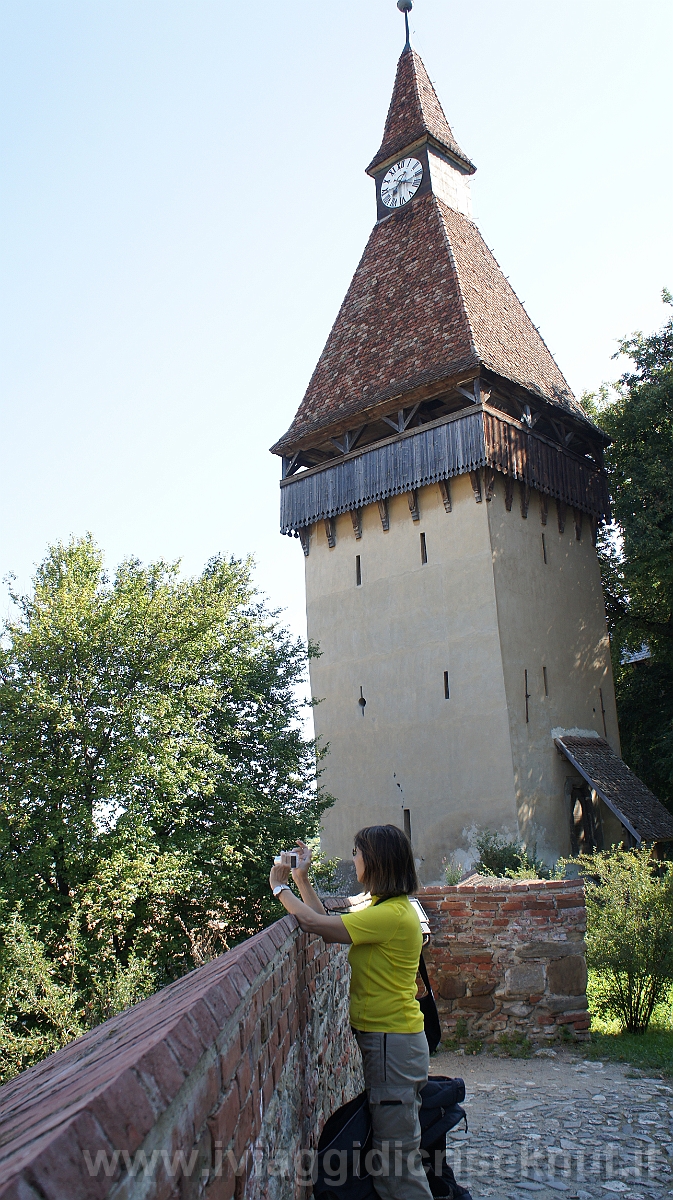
285, 860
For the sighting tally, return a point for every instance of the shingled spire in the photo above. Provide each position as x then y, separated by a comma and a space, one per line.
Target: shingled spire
415, 114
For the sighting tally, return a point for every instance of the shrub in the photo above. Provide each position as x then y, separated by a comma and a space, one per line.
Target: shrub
500, 857
629, 934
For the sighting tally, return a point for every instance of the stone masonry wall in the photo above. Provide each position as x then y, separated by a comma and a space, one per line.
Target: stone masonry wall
210, 1088
509, 956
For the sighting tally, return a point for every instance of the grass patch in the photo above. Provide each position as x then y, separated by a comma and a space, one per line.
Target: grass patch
650, 1051
513, 1045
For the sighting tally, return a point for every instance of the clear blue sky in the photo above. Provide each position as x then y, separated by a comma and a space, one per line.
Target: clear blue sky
183, 203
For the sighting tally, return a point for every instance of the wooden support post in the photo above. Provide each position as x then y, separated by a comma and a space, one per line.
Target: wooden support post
330, 532
413, 505
384, 514
544, 507
594, 529
445, 492
356, 518
305, 539
509, 492
524, 497
489, 482
578, 523
475, 480
561, 515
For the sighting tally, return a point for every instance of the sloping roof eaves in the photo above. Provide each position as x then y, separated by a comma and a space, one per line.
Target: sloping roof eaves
625, 794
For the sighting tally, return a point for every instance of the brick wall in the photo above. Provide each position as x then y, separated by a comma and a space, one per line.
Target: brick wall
211, 1088
508, 956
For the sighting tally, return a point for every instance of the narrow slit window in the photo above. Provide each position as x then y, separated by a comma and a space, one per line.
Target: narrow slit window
358, 571
544, 548
546, 681
407, 822
526, 693
424, 549
447, 693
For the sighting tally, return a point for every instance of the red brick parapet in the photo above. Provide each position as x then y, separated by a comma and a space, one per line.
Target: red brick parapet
210, 1088
509, 956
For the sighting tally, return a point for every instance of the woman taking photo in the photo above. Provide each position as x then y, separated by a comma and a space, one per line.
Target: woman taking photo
385, 944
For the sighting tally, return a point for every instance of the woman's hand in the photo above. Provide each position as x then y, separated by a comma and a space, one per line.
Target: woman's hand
277, 875
304, 855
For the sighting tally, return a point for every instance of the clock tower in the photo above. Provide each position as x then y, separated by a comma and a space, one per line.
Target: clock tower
446, 488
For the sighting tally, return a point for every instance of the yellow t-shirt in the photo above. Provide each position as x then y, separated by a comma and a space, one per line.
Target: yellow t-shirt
384, 956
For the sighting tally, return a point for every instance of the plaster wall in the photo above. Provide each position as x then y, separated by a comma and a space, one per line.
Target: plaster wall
550, 615
449, 761
450, 183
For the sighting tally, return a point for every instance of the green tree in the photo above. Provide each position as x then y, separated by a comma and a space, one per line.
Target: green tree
629, 933
151, 762
637, 553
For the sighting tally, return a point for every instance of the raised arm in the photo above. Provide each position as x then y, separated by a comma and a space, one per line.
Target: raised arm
312, 917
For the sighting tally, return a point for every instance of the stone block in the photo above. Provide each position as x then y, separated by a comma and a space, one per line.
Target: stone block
451, 987
558, 1004
482, 987
477, 1003
522, 980
547, 950
567, 976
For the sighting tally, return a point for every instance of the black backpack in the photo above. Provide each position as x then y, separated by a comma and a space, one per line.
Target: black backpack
340, 1173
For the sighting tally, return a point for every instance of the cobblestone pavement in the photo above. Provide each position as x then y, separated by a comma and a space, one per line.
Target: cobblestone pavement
544, 1127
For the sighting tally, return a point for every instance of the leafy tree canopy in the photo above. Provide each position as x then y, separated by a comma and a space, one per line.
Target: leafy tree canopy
151, 762
637, 552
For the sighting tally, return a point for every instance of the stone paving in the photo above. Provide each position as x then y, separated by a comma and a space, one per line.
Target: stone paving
556, 1125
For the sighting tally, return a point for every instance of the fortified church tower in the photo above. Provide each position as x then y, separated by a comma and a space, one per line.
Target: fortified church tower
446, 487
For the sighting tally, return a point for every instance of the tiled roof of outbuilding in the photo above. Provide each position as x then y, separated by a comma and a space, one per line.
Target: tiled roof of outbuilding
414, 112
628, 797
427, 302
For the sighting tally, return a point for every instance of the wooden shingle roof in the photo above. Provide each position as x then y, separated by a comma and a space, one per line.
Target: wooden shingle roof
414, 113
624, 793
428, 302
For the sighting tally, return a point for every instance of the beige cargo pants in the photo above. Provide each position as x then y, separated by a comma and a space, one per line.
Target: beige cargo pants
395, 1069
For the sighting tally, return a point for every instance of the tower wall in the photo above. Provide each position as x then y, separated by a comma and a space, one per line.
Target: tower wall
550, 615
449, 761
486, 607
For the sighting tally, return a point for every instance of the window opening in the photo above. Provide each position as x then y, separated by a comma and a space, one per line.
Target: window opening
424, 549
362, 702
526, 693
447, 695
585, 831
605, 728
544, 548
546, 681
407, 822
358, 571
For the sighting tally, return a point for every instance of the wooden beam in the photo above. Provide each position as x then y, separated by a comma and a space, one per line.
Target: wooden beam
412, 498
384, 514
509, 492
330, 532
544, 507
561, 515
524, 499
489, 482
445, 492
305, 539
578, 514
356, 518
476, 485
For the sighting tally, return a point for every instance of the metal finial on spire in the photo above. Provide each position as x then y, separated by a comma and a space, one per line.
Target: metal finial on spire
406, 6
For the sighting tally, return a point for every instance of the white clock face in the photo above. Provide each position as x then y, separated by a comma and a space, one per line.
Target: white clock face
401, 182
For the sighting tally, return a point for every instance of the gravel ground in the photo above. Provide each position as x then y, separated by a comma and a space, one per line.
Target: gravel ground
544, 1127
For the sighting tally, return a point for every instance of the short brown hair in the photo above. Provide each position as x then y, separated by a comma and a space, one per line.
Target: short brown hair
388, 859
